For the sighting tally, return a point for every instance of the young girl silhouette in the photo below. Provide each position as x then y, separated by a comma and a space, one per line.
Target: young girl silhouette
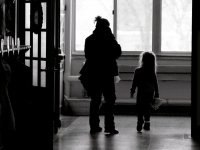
145, 80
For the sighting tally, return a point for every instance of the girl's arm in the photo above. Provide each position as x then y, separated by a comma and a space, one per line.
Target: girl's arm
134, 84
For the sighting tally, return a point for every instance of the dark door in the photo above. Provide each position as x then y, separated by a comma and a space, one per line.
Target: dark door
43, 59
195, 71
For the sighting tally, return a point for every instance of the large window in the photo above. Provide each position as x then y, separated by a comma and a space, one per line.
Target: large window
133, 23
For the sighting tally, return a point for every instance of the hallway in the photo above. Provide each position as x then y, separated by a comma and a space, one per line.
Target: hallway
167, 133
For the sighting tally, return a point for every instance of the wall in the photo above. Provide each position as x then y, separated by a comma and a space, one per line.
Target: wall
174, 77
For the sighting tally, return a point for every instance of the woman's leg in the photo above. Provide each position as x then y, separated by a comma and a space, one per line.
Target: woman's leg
110, 98
94, 110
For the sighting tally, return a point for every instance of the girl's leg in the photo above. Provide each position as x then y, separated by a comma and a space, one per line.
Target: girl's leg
140, 119
147, 118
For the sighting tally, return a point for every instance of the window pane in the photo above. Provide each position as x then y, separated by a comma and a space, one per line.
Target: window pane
35, 45
44, 15
27, 42
134, 24
35, 73
86, 11
27, 62
176, 25
43, 74
43, 44
27, 14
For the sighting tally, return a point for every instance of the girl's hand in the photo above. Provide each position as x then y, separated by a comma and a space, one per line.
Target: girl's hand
131, 94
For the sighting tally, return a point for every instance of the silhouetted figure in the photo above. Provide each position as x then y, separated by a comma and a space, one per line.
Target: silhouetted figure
145, 80
99, 72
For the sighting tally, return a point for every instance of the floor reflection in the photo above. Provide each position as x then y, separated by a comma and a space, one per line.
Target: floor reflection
167, 133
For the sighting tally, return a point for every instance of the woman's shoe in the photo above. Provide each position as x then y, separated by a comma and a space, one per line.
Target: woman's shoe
113, 131
95, 130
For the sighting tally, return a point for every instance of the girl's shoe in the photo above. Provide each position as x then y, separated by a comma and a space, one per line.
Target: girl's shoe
146, 126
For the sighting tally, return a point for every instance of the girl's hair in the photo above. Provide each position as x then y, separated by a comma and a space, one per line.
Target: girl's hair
147, 60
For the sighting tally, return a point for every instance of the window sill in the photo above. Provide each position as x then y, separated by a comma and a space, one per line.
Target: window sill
135, 53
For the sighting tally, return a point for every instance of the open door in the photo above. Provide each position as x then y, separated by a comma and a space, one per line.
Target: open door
37, 24
40, 28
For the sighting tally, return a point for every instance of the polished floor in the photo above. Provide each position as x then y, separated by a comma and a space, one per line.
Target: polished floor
167, 133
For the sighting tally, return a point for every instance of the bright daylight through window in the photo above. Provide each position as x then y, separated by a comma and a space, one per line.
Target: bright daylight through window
134, 21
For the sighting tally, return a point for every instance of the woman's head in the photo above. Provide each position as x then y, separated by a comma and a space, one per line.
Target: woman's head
103, 28
101, 22
148, 61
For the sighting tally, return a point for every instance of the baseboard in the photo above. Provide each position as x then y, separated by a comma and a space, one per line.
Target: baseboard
80, 107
